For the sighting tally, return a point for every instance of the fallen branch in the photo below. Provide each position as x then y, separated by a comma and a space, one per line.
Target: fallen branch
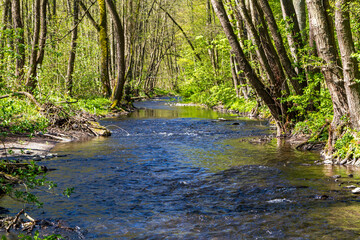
28, 95
14, 221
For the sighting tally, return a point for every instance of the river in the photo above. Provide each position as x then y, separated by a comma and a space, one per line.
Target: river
177, 172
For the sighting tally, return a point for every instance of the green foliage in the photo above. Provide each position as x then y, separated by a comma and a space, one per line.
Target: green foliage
98, 106
24, 180
37, 237
21, 182
348, 143
20, 116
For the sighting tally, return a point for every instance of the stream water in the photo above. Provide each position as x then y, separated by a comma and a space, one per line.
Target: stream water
171, 172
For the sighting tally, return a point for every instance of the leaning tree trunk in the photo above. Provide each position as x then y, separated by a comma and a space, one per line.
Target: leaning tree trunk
244, 65
323, 28
278, 41
120, 45
349, 63
260, 52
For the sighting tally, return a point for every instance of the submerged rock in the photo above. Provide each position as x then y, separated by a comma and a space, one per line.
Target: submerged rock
336, 176
99, 130
321, 197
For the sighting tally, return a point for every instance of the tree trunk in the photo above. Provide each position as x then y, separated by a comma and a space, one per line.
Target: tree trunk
71, 63
270, 51
38, 44
19, 40
294, 35
322, 25
120, 45
244, 65
104, 46
349, 63
279, 44
6, 24
234, 76
31, 75
300, 9
275, 87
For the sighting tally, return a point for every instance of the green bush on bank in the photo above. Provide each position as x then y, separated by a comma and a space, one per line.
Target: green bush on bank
20, 116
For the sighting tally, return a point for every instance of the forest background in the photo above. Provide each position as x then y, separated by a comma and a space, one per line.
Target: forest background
293, 61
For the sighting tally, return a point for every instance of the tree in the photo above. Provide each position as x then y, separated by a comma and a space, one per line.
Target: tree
104, 45
38, 44
272, 103
71, 63
19, 40
120, 47
279, 44
349, 63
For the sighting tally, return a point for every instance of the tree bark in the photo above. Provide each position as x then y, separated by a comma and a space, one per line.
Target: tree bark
259, 47
294, 35
322, 25
104, 46
279, 44
74, 36
38, 44
300, 9
270, 51
349, 63
19, 40
120, 45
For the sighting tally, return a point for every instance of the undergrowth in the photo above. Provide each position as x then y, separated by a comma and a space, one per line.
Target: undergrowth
19, 115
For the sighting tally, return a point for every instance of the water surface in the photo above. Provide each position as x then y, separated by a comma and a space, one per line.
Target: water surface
172, 172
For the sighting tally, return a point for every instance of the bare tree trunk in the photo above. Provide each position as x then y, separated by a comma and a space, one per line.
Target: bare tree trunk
19, 40
300, 9
120, 44
234, 76
349, 63
6, 23
31, 75
104, 46
71, 63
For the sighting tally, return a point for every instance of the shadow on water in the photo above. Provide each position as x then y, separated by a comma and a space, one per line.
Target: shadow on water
179, 173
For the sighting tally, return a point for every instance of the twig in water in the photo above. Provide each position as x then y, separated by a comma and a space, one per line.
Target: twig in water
118, 128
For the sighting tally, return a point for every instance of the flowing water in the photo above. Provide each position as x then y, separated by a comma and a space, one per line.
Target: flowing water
171, 172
